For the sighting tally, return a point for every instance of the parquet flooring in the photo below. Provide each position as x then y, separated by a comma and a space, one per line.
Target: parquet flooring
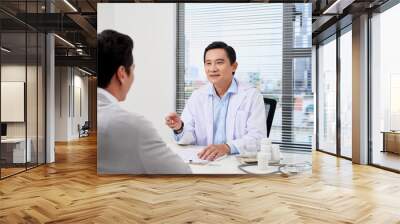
10, 171
69, 191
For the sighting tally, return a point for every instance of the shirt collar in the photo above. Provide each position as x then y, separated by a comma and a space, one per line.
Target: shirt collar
107, 95
233, 88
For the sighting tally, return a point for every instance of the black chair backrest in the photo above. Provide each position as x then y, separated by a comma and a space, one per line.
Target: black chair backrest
86, 125
270, 106
3, 129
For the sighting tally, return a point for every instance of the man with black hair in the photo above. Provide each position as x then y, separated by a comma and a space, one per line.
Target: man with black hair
126, 142
225, 115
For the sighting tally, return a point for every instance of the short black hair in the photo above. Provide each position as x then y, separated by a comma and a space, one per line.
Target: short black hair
113, 50
219, 44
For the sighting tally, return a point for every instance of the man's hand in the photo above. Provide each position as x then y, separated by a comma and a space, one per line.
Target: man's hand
173, 121
212, 152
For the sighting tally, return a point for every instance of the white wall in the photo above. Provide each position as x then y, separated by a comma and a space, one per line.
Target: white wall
153, 30
61, 104
33, 126
82, 82
17, 73
81, 103
67, 115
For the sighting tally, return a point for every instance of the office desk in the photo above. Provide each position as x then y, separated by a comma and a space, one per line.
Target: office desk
229, 164
391, 141
13, 150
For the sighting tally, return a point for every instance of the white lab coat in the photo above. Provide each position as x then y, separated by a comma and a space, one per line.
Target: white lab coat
128, 144
245, 120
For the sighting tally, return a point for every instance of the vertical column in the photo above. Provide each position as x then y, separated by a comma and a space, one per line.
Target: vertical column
314, 82
338, 76
360, 90
92, 99
50, 92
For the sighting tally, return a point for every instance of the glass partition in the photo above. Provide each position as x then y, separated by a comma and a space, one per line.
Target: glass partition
327, 96
22, 90
13, 114
385, 89
346, 94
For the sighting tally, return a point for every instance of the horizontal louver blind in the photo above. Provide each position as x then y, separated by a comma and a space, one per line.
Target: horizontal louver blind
273, 47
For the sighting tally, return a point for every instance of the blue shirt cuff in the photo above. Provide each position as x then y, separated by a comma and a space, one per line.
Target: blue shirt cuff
178, 136
233, 148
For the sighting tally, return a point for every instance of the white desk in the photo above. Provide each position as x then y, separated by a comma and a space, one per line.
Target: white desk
18, 150
229, 164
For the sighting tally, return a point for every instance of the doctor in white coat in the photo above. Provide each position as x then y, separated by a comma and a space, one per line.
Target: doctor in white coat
126, 142
225, 115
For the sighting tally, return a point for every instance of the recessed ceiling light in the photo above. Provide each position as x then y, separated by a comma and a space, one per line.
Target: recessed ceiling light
338, 6
70, 5
86, 72
5, 50
64, 40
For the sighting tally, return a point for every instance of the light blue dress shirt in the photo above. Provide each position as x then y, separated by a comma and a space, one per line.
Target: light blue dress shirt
220, 109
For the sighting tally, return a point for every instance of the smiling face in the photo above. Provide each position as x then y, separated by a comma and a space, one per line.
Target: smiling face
218, 68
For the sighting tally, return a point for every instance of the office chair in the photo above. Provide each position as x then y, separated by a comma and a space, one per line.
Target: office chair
84, 130
270, 106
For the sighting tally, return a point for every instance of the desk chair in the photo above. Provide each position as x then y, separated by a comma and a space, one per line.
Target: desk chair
270, 106
84, 130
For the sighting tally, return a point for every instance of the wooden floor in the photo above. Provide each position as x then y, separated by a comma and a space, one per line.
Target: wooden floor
70, 191
10, 171
387, 159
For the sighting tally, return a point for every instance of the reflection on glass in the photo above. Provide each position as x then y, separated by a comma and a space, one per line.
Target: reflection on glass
385, 87
346, 94
302, 26
14, 151
303, 108
22, 90
327, 97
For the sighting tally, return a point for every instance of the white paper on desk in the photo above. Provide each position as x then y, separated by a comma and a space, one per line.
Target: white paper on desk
190, 156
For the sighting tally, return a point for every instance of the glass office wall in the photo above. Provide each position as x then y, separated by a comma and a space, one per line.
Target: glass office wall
327, 95
346, 92
385, 89
13, 87
22, 90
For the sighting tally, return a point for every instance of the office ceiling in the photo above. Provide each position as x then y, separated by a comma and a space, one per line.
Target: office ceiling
327, 13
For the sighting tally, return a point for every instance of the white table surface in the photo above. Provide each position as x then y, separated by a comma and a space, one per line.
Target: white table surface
13, 140
229, 164
19, 149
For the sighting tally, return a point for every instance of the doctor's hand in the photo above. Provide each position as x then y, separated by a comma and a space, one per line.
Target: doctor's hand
212, 152
173, 121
